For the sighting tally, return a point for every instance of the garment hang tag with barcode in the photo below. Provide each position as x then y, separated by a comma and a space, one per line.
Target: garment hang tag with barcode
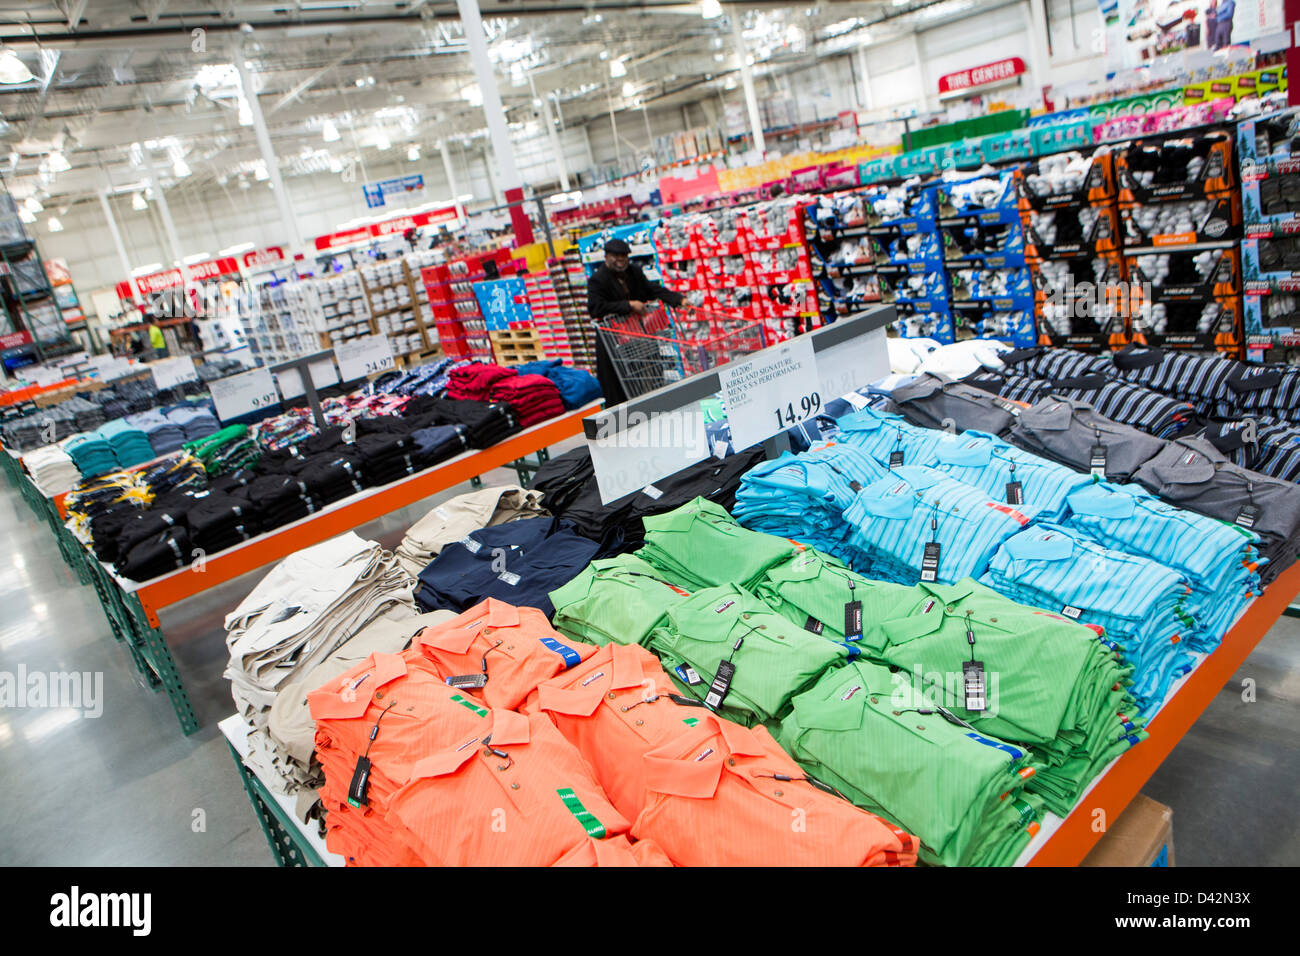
813, 625
1015, 493
1247, 516
973, 679
475, 681
930, 562
895, 459
1097, 461
509, 577
721, 684
853, 621
654, 493
471, 545
1073, 613
688, 675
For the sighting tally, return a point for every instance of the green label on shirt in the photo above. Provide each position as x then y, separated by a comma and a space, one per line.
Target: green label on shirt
595, 829
481, 711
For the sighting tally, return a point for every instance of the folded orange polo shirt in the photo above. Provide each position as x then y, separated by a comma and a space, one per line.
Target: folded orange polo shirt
513, 793
726, 795
615, 707
518, 646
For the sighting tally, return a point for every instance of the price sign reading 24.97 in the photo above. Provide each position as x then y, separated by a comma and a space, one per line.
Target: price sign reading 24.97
795, 412
363, 356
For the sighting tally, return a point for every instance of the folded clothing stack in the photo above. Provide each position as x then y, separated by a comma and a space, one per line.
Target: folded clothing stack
91, 454
302, 611
194, 420
285, 430
937, 401
438, 443
1271, 446
99, 507
282, 498
485, 423
1138, 604
22, 434
699, 545
156, 553
229, 449
534, 398
454, 519
164, 435
219, 368
521, 561
385, 457
52, 471
330, 475
1193, 474
475, 380
577, 387
1071, 432
173, 472
130, 445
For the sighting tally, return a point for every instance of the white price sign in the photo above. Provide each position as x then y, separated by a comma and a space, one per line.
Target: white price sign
243, 393
172, 372
775, 390
363, 356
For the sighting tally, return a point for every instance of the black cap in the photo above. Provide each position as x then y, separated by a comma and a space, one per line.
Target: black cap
618, 247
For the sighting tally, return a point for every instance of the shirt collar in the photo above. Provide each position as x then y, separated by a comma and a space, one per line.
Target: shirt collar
1040, 543
685, 775
613, 667
929, 616
350, 695
1184, 463
1052, 413
867, 420
1101, 501
841, 708
964, 450
456, 636
508, 728
923, 386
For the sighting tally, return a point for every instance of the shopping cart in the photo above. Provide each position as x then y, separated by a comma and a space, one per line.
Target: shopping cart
663, 346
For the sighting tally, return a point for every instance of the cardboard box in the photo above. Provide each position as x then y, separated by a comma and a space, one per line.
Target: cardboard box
1142, 836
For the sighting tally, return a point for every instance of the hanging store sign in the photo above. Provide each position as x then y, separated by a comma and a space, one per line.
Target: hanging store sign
389, 227
376, 193
981, 75
269, 256
172, 278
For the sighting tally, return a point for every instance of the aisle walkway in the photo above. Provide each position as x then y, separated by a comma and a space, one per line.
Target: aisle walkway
126, 788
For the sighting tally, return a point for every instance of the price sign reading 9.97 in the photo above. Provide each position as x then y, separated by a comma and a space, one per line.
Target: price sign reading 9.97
795, 412
243, 393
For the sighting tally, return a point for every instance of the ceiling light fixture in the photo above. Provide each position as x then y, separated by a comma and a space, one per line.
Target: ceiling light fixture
413, 153
382, 143
33, 205
628, 90
710, 9
472, 95
329, 131
58, 162
236, 249
245, 113
138, 202
13, 70
180, 168
260, 173
55, 225
26, 217
617, 69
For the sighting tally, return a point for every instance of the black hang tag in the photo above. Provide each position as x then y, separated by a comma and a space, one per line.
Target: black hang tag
855, 486
1097, 461
814, 625
360, 783
1247, 516
475, 681
1073, 613
895, 459
721, 684
853, 621
1015, 493
930, 562
685, 701
973, 678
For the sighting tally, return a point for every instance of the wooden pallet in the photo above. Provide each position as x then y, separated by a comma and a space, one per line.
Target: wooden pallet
527, 337
509, 353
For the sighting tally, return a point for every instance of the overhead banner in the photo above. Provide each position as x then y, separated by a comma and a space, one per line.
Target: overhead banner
981, 75
271, 255
376, 193
172, 278
389, 227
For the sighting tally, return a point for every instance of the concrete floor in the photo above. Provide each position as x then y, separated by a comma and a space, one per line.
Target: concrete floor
126, 788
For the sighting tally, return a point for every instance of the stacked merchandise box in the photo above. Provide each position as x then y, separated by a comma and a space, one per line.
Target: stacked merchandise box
343, 306
548, 316
781, 266
1070, 219
1180, 213
509, 319
286, 321
462, 328
843, 263
394, 306
1269, 153
569, 277
990, 291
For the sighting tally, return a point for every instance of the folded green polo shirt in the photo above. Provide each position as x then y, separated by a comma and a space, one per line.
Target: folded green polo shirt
959, 790
812, 589
699, 545
614, 600
774, 659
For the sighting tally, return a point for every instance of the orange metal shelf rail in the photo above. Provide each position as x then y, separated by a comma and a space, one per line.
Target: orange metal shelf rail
1113, 792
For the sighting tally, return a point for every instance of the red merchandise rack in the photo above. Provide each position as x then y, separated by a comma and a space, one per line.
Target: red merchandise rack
462, 330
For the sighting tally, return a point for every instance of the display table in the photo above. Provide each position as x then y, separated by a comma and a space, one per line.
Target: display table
132, 607
293, 843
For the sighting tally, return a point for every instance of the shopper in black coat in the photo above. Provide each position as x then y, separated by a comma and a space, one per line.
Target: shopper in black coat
620, 288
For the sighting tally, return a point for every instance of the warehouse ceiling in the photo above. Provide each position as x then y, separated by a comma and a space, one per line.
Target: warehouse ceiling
117, 82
